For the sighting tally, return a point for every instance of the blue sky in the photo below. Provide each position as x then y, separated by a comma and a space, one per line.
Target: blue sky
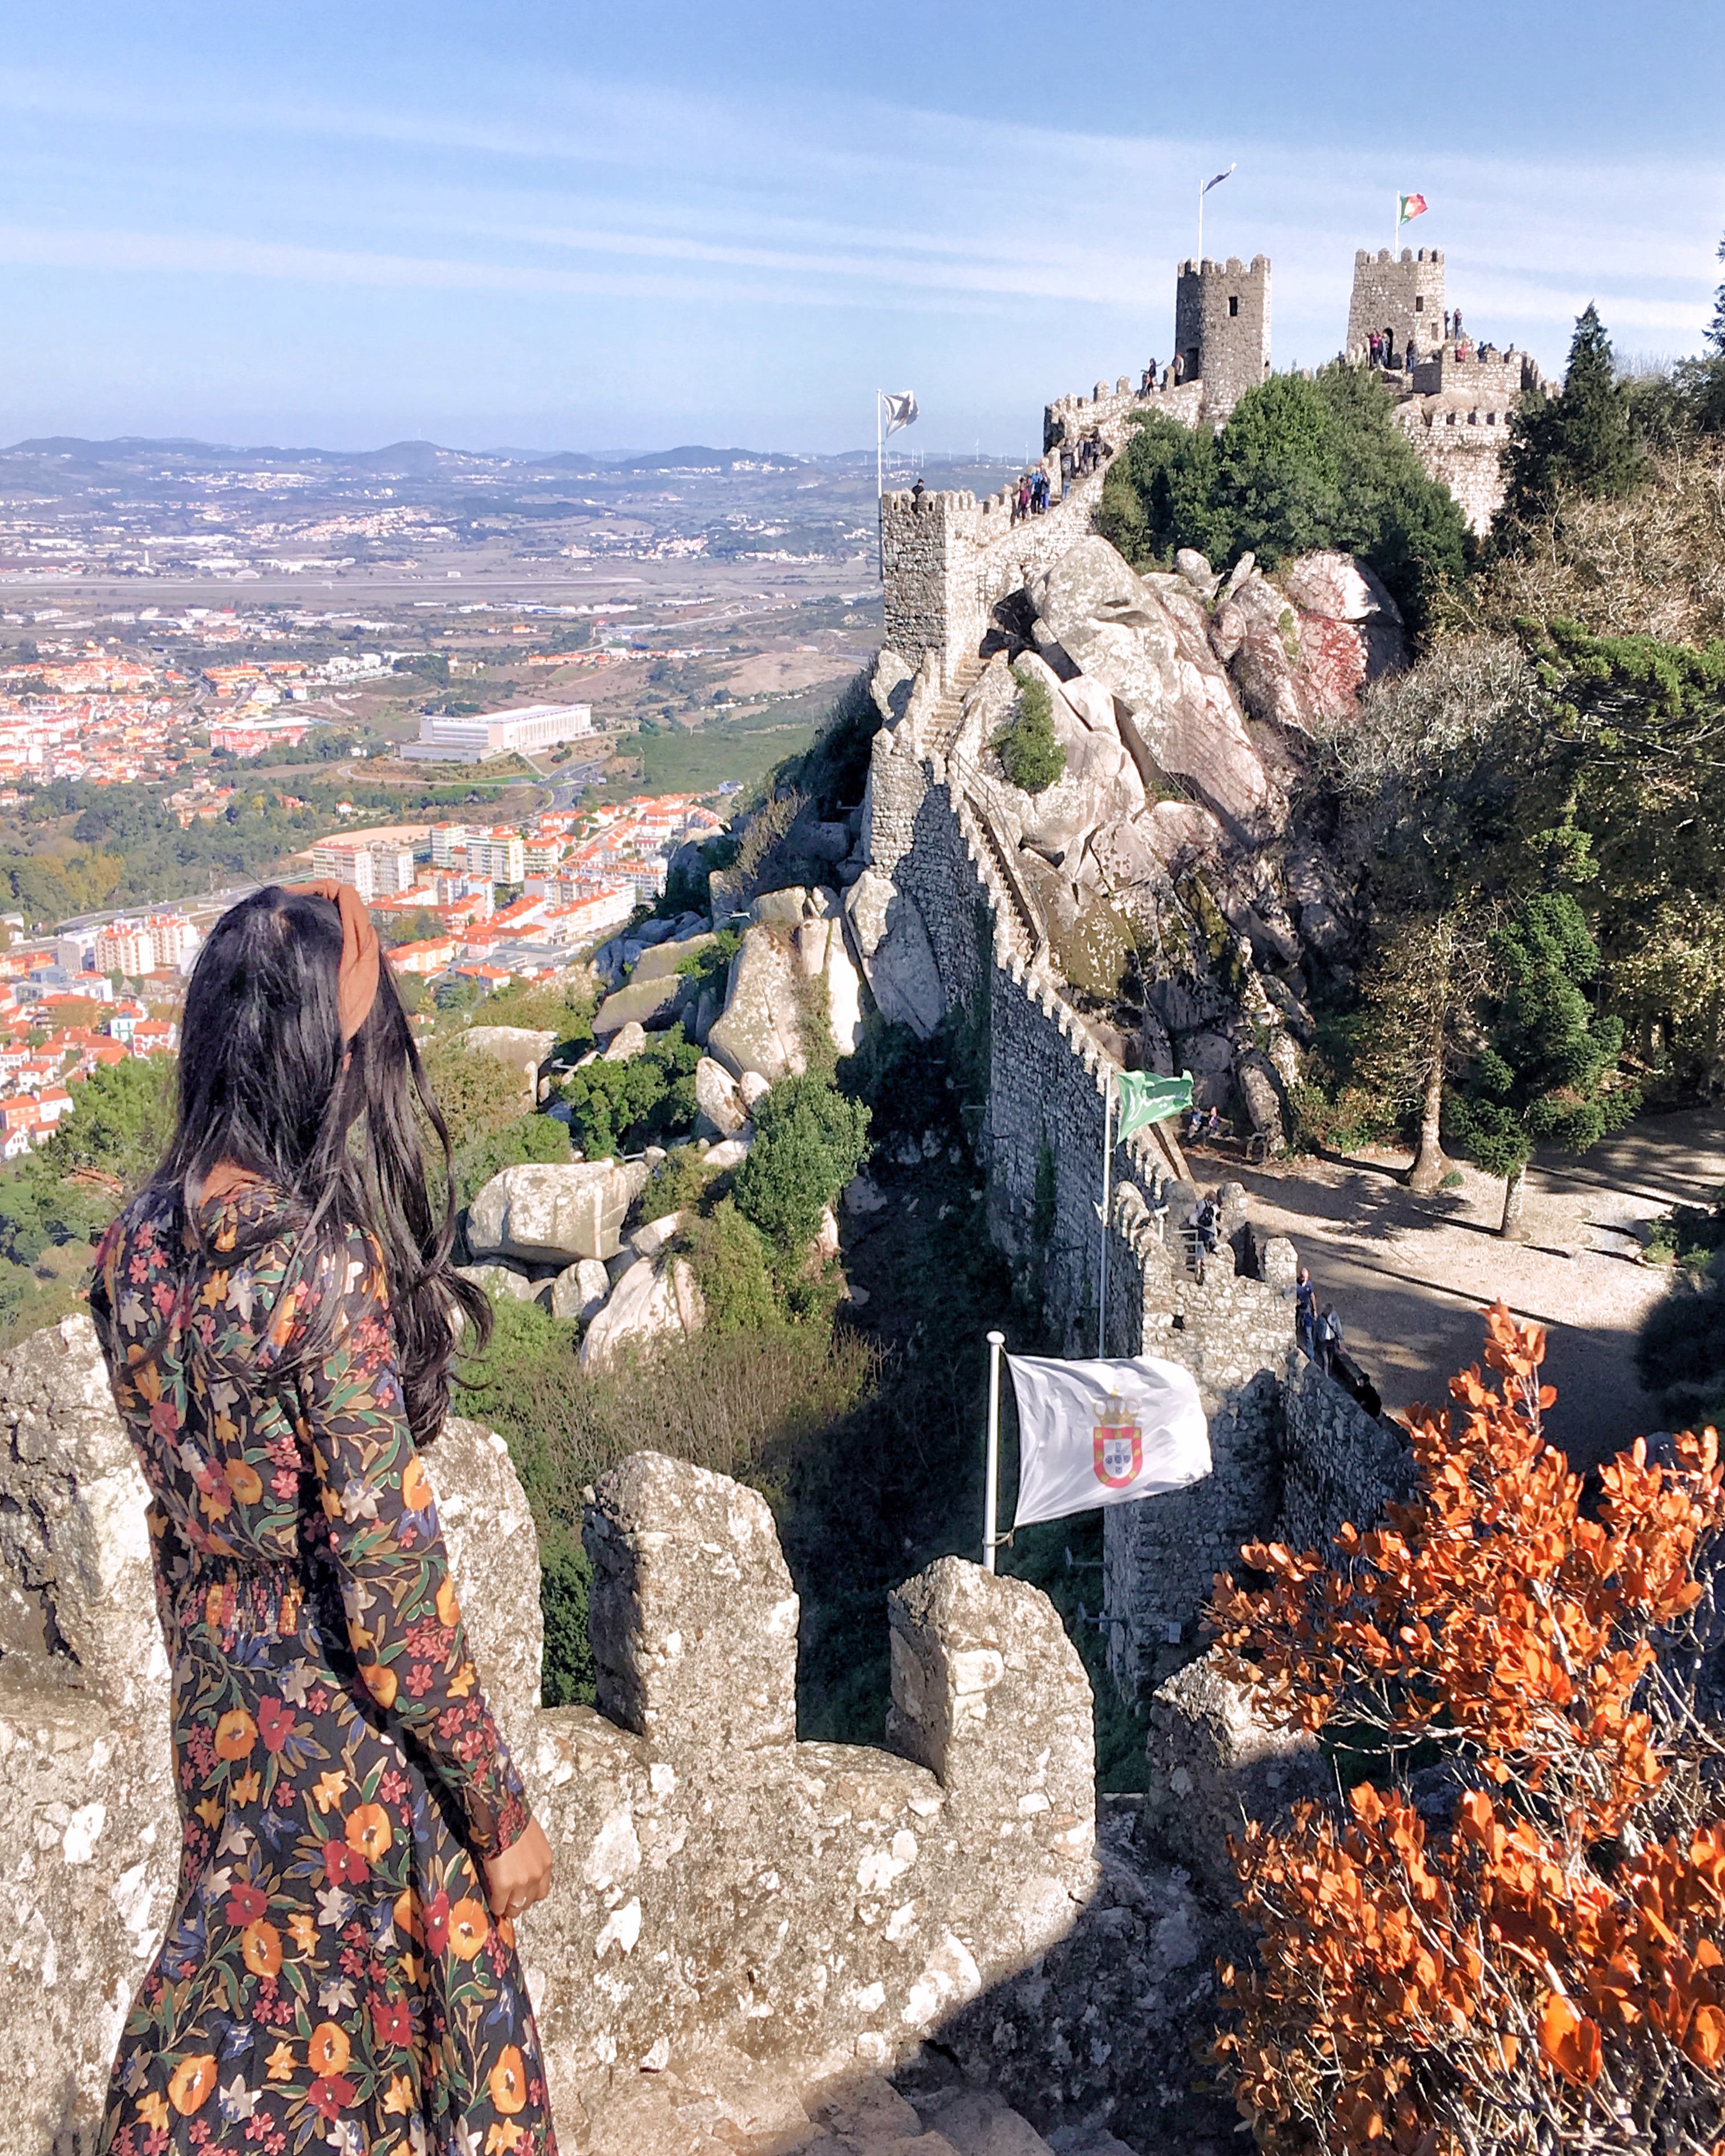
559, 226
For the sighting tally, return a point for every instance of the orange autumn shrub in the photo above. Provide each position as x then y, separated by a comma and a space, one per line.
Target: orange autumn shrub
1531, 1959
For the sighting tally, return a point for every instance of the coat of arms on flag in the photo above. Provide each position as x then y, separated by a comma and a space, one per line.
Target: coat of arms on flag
1118, 1444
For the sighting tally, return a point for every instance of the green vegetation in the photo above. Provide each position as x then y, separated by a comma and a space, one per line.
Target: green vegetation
649, 1100
1030, 756
1580, 442
1546, 1070
1680, 1355
744, 744
54, 1202
1300, 465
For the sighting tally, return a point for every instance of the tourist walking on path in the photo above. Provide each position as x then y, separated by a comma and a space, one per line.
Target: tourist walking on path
1306, 1314
276, 1308
1329, 1339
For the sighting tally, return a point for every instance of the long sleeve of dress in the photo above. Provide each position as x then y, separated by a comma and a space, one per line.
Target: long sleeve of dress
402, 1616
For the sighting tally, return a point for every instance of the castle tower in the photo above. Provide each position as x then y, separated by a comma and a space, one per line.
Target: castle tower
1222, 329
1404, 296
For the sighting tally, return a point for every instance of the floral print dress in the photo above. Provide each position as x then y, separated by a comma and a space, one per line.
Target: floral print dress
331, 1975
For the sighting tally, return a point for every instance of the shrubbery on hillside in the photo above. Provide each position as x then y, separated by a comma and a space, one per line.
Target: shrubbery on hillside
616, 1108
1030, 756
1522, 1955
1300, 465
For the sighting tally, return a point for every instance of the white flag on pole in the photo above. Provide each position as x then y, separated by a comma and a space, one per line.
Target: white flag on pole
900, 410
1104, 1433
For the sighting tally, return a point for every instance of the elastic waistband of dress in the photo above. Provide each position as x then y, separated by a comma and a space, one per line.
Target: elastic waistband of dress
244, 1600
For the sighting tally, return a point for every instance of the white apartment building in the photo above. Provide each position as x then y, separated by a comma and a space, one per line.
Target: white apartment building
499, 856
504, 734
378, 869
125, 947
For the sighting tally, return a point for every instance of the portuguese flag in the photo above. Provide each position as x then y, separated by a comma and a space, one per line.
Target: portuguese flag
1412, 206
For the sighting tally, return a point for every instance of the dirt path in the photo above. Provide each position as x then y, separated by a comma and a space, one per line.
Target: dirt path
1408, 1276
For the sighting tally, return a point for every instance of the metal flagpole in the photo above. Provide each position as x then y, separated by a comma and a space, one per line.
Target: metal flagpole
1201, 192
1107, 1149
991, 1501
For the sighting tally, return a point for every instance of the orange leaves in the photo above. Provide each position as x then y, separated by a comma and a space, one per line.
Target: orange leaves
1434, 1988
1569, 2040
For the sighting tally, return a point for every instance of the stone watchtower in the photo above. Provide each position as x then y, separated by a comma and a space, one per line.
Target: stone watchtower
1222, 329
1404, 296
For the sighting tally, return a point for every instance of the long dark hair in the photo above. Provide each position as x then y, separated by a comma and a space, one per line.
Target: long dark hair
267, 1083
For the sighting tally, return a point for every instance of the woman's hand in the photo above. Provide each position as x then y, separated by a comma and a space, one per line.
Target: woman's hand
522, 1875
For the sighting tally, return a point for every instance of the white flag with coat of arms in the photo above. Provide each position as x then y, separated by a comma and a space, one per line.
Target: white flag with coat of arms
1104, 1433
900, 410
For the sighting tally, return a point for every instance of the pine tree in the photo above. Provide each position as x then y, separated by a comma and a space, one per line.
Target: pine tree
1579, 442
1706, 377
1547, 1069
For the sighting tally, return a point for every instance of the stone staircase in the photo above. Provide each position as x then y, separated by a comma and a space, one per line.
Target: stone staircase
940, 730
1023, 925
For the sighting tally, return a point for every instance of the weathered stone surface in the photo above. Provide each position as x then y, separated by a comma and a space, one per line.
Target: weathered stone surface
522, 1048
580, 1290
986, 1684
897, 958
1148, 645
493, 1550
626, 1042
75, 1558
845, 985
750, 1087
650, 1302
651, 1001
664, 960
719, 1102
550, 1214
1214, 1759
761, 1027
1341, 588
779, 909
499, 1280
650, 1239
693, 1615
979, 2122
730, 1152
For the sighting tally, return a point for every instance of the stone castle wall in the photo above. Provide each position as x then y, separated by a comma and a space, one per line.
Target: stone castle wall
1402, 293
827, 1907
1222, 328
1464, 449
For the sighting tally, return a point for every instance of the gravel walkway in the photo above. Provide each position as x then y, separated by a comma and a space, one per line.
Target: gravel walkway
1409, 1276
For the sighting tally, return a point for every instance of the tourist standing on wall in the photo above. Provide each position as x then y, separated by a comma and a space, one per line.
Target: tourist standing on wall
279, 1315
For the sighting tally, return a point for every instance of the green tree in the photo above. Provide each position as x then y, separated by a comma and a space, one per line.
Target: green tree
1030, 754
1579, 442
1547, 1069
1278, 483
1301, 463
121, 1122
809, 1141
648, 1100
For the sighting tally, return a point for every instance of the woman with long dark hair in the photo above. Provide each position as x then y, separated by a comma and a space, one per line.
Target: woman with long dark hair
278, 1314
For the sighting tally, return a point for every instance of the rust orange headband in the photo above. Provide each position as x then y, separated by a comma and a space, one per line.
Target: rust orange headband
356, 981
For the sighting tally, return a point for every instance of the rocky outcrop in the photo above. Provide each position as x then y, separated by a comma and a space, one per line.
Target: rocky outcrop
897, 958
579, 1291
761, 1029
523, 1048
551, 1213
717, 1095
1145, 640
651, 1302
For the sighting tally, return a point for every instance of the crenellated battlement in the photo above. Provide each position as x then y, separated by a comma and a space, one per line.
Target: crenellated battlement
1222, 329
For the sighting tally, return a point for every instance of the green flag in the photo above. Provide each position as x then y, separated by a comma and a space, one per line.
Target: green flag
1145, 1098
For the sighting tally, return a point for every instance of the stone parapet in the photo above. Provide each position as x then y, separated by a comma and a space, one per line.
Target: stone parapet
830, 1906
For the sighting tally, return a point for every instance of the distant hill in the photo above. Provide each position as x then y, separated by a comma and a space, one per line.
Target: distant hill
415, 459
695, 456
